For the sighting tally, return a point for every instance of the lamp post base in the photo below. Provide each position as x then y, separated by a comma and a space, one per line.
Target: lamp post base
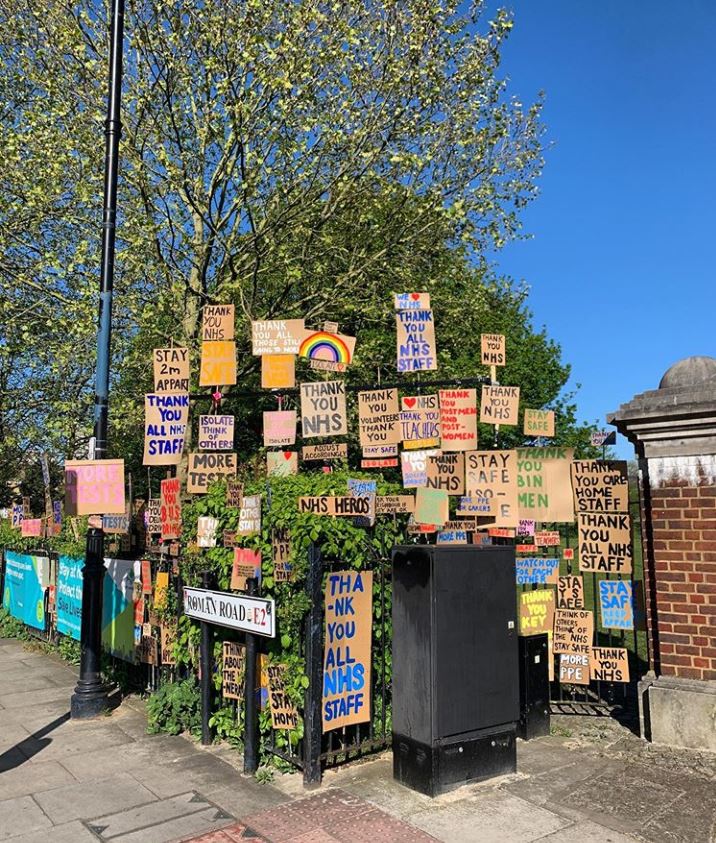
85, 704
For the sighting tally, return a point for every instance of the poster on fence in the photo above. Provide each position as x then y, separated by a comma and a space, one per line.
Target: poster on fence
539, 423
171, 370
283, 712
94, 487
447, 472
499, 404
206, 468
411, 301
280, 337
327, 351
573, 631
616, 604
458, 419
279, 428
543, 484
170, 508
118, 608
600, 486
378, 417
216, 433
281, 463
493, 475
536, 569
420, 421
232, 672
609, 664
167, 640
281, 554
323, 409
69, 596
247, 565
604, 543
26, 578
536, 611
414, 466
218, 363
492, 349
347, 649
416, 341
570, 592
217, 322
574, 668
165, 422
249, 516
278, 371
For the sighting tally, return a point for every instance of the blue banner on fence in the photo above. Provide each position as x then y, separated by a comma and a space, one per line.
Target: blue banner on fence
26, 578
69, 596
118, 608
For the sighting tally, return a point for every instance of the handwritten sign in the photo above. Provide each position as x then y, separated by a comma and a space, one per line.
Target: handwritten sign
165, 421
539, 423
249, 516
218, 363
570, 592
492, 349
574, 669
278, 371
247, 565
206, 529
493, 475
543, 484
347, 649
616, 604
534, 569
167, 638
32, 527
414, 465
325, 452
458, 419
171, 370
482, 507
394, 504
281, 463
216, 433
206, 468
415, 341
323, 409
411, 301
277, 336
547, 538
218, 322
281, 554
232, 671
420, 421
116, 524
379, 417
573, 631
170, 508
431, 506
451, 537
536, 611
153, 516
526, 527
326, 350
160, 590
234, 492
499, 404
447, 471
283, 712
337, 507
609, 664
604, 543
279, 428
94, 487
600, 486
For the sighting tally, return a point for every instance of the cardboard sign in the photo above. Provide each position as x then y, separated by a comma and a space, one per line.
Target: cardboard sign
600, 486
493, 475
146, 575
536, 611
228, 538
232, 671
451, 537
547, 538
394, 504
539, 423
526, 527
604, 543
535, 569
379, 451
609, 664
415, 341
281, 463
347, 648
218, 363
379, 417
279, 428
171, 370
281, 554
216, 433
420, 421
148, 650
165, 421
283, 712
168, 638
170, 508
160, 590
247, 565
116, 524
332, 352
431, 506
206, 529
447, 471
323, 409
234, 492
218, 322
570, 592
574, 669
458, 419
492, 350
32, 527
325, 452
338, 507
277, 336
94, 487
249, 516
206, 468
616, 604
482, 507
568, 553
278, 371
414, 466
153, 516
411, 301
573, 631
390, 462
499, 404
544, 489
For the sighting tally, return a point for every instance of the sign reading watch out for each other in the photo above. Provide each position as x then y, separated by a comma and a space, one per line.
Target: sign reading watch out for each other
236, 611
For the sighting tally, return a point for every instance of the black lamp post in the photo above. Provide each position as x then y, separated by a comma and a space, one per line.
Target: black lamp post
90, 696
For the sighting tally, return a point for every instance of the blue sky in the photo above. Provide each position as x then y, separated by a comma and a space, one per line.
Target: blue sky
621, 263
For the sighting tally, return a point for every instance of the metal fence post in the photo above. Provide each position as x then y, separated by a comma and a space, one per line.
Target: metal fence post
251, 709
206, 653
314, 669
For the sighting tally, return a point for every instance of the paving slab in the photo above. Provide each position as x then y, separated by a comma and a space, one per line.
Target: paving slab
73, 832
178, 828
587, 832
21, 815
198, 771
25, 779
25, 699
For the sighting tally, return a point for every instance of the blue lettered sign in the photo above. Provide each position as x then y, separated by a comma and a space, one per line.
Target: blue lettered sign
616, 604
538, 570
69, 596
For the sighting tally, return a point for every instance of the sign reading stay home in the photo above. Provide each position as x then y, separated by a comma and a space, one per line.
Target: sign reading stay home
236, 611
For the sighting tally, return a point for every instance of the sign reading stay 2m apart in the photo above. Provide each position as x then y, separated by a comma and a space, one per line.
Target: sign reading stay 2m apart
237, 611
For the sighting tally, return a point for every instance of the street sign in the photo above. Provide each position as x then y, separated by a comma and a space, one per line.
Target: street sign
236, 611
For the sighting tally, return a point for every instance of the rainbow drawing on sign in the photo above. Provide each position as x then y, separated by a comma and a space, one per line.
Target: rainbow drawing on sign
323, 346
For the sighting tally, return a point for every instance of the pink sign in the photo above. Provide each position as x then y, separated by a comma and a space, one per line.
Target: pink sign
31, 527
94, 487
279, 428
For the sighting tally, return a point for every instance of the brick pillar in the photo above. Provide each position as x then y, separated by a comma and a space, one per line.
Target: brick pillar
673, 430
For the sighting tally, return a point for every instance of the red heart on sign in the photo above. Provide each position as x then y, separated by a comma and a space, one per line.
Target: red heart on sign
409, 402
287, 455
415, 296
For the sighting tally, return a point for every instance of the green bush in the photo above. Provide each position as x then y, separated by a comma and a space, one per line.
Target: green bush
11, 627
175, 708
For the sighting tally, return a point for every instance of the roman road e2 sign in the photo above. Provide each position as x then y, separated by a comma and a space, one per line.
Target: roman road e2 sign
237, 611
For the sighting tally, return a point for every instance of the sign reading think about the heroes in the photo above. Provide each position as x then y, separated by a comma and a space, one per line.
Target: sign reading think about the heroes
347, 649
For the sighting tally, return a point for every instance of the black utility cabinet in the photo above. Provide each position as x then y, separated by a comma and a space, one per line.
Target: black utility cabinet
534, 687
455, 665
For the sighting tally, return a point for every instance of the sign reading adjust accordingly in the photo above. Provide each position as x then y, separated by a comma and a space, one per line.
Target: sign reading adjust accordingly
237, 611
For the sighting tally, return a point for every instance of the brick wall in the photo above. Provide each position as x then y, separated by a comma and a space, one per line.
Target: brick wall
683, 564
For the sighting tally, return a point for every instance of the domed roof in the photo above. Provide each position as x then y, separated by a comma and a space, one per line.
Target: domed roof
691, 371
